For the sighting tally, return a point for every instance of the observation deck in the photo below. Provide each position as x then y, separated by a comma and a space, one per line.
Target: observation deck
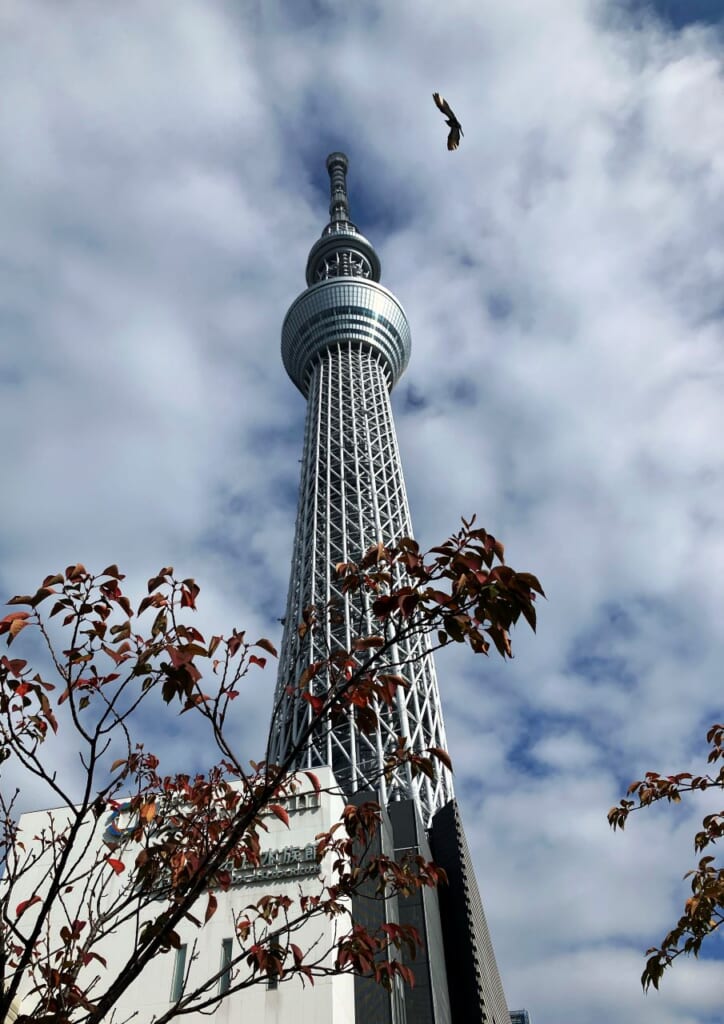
344, 311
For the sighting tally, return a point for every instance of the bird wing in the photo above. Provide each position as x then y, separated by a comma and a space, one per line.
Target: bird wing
453, 139
442, 104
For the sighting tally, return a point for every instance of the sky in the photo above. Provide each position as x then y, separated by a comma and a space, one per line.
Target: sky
162, 180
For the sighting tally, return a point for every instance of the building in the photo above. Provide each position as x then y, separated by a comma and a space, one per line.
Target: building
288, 863
345, 343
519, 1017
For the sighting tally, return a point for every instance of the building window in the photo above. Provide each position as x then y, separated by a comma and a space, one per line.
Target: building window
226, 953
179, 972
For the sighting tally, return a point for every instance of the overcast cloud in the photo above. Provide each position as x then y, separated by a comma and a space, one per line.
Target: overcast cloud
162, 180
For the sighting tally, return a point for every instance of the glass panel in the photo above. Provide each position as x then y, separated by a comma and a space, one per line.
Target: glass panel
179, 970
225, 980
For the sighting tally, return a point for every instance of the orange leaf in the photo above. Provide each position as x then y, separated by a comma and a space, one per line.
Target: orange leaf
309, 673
117, 865
15, 621
267, 646
363, 643
147, 812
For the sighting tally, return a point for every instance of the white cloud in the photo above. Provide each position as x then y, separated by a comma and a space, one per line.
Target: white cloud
162, 181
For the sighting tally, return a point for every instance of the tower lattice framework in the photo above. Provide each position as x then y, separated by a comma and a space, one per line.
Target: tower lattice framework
345, 343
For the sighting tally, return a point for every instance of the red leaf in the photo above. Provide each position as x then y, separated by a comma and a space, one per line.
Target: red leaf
189, 593
407, 975
315, 781
253, 660
441, 755
41, 595
87, 957
156, 581
317, 703
74, 572
210, 907
279, 812
234, 643
117, 865
22, 907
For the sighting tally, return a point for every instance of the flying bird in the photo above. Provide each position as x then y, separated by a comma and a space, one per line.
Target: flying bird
456, 129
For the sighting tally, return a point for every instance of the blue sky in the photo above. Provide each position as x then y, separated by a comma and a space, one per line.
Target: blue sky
162, 182
680, 13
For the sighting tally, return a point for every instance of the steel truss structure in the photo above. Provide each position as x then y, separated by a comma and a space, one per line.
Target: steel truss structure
345, 342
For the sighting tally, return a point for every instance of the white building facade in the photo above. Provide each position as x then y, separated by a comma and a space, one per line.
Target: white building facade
288, 867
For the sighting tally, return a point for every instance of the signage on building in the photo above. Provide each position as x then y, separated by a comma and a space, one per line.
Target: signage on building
289, 862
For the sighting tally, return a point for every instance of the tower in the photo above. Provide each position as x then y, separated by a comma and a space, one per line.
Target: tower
345, 343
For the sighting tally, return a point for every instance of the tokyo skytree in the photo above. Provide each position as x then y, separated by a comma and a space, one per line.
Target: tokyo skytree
345, 343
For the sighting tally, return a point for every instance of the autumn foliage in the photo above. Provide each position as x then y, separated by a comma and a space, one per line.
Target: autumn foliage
143, 847
704, 909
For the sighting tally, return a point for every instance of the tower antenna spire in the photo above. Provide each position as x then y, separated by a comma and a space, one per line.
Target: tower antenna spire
342, 251
337, 164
